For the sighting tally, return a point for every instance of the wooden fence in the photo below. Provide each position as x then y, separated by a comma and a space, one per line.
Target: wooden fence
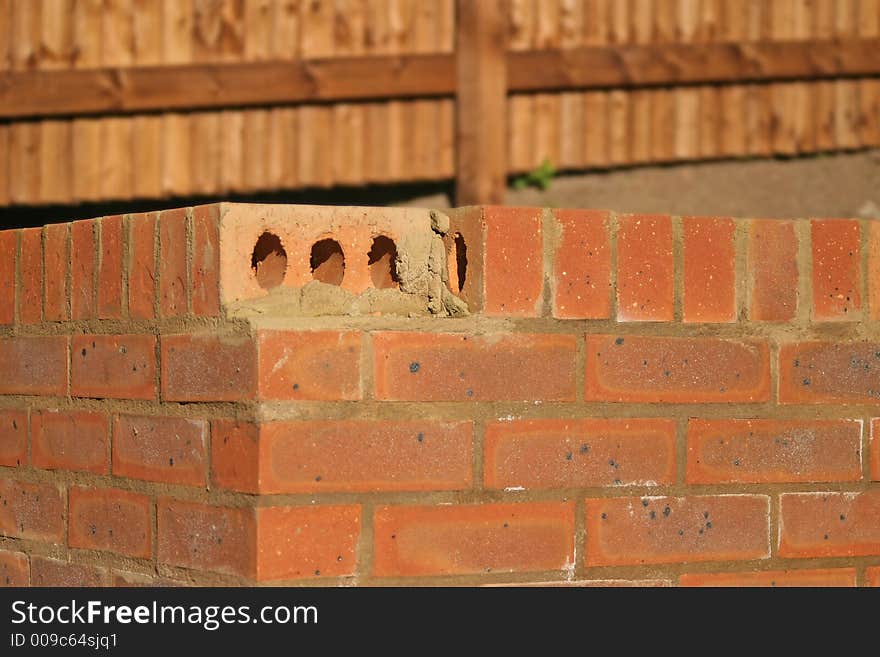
124, 99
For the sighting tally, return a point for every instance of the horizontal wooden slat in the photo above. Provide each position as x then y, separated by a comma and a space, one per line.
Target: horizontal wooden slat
201, 86
672, 64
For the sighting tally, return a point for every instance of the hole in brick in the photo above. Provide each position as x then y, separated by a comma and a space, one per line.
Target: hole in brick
383, 263
327, 262
459, 260
269, 261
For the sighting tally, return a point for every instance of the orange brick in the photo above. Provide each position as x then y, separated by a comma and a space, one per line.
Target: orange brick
55, 573
829, 524
110, 268
203, 537
208, 368
365, 455
164, 449
455, 367
763, 451
452, 540
31, 270
56, 258
313, 365
873, 269
824, 372
13, 438
466, 238
113, 366
142, 266
8, 248
235, 455
678, 370
632, 531
837, 277
828, 577
82, 270
875, 449
32, 511
514, 261
579, 453
205, 274
172, 263
306, 542
33, 365
112, 520
709, 273
873, 576
772, 263
15, 570
583, 266
71, 440
644, 268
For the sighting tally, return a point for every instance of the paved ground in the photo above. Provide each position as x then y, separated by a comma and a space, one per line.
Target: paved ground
846, 185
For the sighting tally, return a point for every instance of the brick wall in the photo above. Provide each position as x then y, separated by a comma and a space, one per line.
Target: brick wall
493, 396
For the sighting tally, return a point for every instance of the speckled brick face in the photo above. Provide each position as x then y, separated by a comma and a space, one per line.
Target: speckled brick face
510, 396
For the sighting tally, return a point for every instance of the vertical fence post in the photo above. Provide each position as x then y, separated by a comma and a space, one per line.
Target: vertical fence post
481, 101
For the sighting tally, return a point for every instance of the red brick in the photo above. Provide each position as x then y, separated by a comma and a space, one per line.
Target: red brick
110, 268
824, 372
772, 263
113, 520
875, 449
15, 570
644, 268
82, 270
172, 263
13, 438
514, 261
365, 455
142, 266
764, 451
457, 367
873, 576
306, 542
113, 366
310, 365
828, 577
631, 531
676, 370
582, 272
578, 453
31, 271
164, 449
205, 274
55, 573
71, 440
33, 365
836, 269
208, 368
829, 524
452, 540
873, 269
8, 248
709, 272
203, 537
56, 257
235, 455
32, 511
